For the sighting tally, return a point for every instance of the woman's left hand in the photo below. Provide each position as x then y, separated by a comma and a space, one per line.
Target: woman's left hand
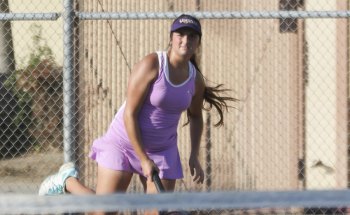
196, 170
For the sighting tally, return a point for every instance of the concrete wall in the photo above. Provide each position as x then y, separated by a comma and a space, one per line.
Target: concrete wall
52, 30
326, 98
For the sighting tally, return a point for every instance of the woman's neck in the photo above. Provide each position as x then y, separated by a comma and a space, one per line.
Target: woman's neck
177, 62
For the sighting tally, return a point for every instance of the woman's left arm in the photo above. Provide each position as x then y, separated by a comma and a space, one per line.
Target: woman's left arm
196, 129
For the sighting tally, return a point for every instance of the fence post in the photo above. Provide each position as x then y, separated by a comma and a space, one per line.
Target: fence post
68, 82
208, 152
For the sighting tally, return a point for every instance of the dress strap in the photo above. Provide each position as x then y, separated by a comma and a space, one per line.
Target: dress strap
161, 61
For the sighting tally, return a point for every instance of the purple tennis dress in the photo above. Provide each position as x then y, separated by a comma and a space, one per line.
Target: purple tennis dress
158, 120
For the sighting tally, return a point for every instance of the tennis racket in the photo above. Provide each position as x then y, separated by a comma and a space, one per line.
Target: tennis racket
158, 182
160, 189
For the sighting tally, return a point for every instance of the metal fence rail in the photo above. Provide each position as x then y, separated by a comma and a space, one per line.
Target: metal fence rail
219, 201
214, 15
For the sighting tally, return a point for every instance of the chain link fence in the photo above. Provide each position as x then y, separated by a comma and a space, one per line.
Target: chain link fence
31, 93
64, 68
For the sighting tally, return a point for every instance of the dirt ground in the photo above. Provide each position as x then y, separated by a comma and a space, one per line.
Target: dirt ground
24, 174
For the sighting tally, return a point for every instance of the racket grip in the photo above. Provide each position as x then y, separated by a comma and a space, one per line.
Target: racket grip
157, 182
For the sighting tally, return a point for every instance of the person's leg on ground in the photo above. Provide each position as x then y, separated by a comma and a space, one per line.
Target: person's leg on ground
74, 186
56, 184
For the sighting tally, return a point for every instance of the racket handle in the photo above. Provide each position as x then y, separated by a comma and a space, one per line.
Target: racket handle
157, 182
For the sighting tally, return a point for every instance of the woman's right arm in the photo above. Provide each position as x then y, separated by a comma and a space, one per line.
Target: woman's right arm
142, 76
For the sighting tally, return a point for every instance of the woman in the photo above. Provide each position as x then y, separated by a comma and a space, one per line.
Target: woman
142, 138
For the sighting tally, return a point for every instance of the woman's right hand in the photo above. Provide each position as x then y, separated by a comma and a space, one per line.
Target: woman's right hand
148, 167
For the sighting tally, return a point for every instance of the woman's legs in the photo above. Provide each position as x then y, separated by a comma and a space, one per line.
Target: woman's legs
66, 180
109, 181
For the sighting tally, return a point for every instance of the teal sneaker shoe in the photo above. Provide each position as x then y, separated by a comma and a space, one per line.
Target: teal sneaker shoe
56, 184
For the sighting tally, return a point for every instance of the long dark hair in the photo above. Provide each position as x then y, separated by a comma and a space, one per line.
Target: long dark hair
212, 96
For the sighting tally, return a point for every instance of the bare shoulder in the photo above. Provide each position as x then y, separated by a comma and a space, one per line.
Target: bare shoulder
147, 67
150, 60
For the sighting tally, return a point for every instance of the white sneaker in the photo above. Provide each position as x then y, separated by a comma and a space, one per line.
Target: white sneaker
56, 184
